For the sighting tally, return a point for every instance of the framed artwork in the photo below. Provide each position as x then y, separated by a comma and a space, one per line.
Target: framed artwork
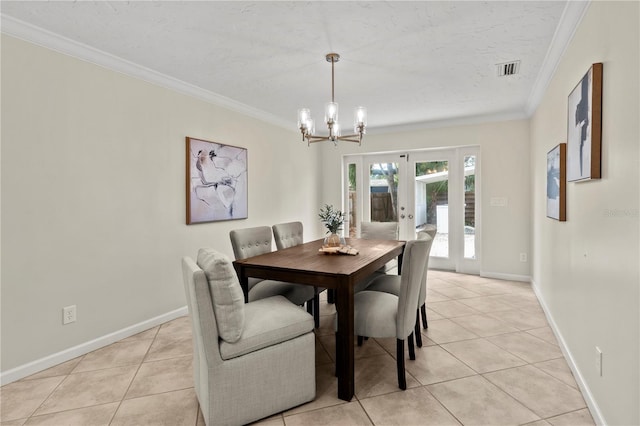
557, 183
584, 127
216, 181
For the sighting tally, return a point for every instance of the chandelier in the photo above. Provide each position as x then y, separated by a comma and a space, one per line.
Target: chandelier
307, 126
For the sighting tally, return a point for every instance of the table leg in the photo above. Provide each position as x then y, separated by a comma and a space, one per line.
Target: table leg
344, 341
244, 282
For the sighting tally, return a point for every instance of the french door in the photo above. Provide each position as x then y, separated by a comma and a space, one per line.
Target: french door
416, 189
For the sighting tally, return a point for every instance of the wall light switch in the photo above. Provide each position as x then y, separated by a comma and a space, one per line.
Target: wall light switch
498, 201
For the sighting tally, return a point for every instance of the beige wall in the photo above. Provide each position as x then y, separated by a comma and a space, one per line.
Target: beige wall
504, 148
93, 177
586, 269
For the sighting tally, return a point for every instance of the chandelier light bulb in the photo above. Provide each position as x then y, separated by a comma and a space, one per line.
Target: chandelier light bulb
331, 112
303, 116
360, 119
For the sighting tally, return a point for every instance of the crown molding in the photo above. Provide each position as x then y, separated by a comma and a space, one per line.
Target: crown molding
571, 17
569, 21
39, 36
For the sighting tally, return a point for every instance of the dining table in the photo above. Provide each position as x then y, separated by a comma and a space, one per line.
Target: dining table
307, 264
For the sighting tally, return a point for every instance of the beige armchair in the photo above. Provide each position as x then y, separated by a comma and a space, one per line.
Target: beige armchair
251, 360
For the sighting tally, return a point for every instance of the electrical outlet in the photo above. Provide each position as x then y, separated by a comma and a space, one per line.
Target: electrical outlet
523, 257
599, 361
68, 314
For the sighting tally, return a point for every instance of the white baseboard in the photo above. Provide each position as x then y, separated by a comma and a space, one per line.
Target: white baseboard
83, 348
586, 392
508, 277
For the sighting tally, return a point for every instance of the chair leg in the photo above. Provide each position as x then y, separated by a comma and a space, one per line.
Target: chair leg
412, 350
402, 380
423, 309
360, 340
331, 296
316, 310
417, 330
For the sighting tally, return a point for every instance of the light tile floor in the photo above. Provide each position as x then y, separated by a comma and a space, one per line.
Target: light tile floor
488, 358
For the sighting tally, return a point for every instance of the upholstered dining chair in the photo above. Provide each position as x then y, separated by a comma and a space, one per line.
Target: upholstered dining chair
380, 314
248, 242
392, 284
378, 231
431, 230
288, 235
250, 360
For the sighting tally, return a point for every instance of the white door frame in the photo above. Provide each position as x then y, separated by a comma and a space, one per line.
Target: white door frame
406, 198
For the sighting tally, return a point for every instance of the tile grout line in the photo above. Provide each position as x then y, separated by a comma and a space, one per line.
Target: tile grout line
66, 376
134, 377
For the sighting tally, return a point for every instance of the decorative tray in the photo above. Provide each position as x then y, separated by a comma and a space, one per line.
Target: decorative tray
339, 250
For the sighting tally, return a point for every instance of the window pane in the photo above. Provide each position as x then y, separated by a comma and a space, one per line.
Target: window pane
470, 207
353, 204
383, 181
432, 202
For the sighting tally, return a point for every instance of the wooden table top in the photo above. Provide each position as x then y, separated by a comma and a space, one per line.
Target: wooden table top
307, 257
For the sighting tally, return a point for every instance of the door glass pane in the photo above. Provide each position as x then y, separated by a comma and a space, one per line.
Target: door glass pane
353, 204
432, 202
383, 181
470, 207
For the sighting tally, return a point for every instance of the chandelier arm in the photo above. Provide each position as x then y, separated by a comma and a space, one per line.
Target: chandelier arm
313, 139
347, 139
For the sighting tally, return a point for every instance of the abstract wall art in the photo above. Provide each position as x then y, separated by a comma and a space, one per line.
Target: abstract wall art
216, 181
584, 127
557, 183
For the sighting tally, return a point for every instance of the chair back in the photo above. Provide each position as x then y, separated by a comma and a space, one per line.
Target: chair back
426, 236
250, 242
430, 229
287, 234
413, 263
379, 230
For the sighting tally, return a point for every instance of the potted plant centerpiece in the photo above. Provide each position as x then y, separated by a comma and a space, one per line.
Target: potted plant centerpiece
332, 220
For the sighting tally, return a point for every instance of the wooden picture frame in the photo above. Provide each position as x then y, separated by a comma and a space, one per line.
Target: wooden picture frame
584, 127
557, 183
216, 181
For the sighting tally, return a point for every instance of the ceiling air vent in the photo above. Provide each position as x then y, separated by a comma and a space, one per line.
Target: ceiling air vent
508, 68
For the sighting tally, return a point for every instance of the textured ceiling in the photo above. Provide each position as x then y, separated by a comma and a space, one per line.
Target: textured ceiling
407, 62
